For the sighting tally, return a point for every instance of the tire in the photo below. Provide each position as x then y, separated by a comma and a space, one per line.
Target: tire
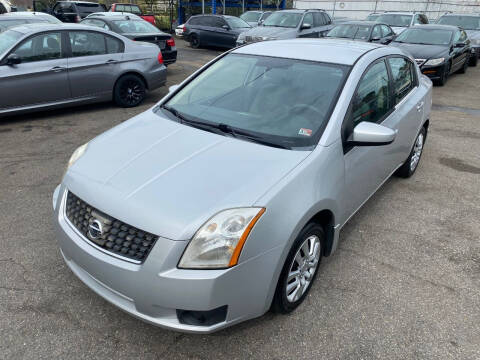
444, 77
411, 164
194, 41
288, 296
464, 68
473, 60
129, 91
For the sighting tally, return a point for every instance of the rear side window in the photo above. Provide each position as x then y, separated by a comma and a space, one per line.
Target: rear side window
114, 46
40, 47
404, 80
87, 43
371, 101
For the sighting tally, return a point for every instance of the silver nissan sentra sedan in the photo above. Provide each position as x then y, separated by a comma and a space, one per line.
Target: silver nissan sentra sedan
46, 66
218, 203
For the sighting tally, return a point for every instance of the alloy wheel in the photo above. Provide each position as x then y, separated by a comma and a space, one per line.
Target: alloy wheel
131, 92
303, 268
417, 152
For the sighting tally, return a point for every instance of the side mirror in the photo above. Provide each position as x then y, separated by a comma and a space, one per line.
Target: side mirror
371, 134
305, 26
226, 27
261, 22
172, 88
13, 59
375, 39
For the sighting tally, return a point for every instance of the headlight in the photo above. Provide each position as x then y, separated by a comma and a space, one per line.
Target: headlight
475, 41
77, 154
434, 62
265, 38
218, 243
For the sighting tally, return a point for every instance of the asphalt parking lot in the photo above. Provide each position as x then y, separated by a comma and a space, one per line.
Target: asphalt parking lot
404, 283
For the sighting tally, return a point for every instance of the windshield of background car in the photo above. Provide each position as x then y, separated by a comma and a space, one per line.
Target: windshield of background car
135, 26
465, 22
425, 36
236, 23
359, 32
395, 20
8, 39
285, 101
283, 19
251, 16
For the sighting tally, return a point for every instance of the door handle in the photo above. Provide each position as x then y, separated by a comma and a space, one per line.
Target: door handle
420, 105
57, 68
111, 62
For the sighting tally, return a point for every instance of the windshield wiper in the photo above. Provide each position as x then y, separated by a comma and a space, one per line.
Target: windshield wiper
222, 129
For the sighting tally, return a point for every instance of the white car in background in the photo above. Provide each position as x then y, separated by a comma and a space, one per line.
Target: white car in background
180, 30
5, 6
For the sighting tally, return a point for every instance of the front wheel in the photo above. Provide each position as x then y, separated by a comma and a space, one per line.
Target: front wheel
129, 91
410, 165
194, 41
444, 76
464, 68
300, 269
473, 60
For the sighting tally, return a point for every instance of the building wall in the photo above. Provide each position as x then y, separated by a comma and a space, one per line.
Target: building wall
359, 9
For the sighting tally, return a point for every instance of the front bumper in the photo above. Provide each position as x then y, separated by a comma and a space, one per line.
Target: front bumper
476, 50
155, 290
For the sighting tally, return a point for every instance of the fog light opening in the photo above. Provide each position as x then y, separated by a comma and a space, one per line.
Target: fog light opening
202, 318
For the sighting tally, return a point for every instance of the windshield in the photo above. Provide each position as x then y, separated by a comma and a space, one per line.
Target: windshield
283, 19
251, 16
236, 23
395, 20
425, 36
8, 39
135, 26
279, 100
360, 32
372, 17
465, 22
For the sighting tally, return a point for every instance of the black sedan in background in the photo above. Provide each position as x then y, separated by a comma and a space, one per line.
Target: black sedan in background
137, 29
439, 50
363, 31
214, 30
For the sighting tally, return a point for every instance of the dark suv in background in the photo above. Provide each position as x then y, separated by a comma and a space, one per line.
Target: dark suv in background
289, 24
69, 11
214, 30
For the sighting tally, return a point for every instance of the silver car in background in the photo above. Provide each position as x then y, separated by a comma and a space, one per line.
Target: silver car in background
48, 66
9, 20
218, 203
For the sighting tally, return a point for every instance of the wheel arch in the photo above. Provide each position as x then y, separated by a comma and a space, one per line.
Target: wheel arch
131, 72
325, 218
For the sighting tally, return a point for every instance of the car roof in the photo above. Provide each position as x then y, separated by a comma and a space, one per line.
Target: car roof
461, 14
400, 13
23, 15
362, 22
337, 51
114, 15
27, 29
435, 26
78, 2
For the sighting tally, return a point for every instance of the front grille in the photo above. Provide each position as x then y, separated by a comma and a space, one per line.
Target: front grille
253, 39
108, 233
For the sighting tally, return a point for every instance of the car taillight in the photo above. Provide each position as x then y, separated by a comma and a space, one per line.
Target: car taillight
171, 42
184, 28
154, 21
78, 19
160, 58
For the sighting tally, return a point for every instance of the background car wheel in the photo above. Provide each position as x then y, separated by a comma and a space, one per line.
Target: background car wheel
129, 91
410, 165
464, 68
300, 269
444, 77
473, 60
194, 41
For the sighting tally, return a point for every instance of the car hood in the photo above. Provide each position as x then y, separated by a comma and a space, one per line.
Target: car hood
398, 29
423, 51
168, 179
271, 31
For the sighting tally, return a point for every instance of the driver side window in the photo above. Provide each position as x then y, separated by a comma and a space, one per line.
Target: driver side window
308, 19
40, 47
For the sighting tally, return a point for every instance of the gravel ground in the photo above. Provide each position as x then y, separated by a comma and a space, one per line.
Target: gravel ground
404, 283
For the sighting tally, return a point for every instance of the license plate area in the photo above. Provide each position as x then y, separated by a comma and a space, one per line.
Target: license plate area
161, 44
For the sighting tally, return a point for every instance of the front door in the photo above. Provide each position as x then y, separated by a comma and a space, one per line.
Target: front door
366, 167
40, 78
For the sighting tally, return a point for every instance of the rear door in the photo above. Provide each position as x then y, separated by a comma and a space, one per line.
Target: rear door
460, 50
93, 63
40, 78
212, 33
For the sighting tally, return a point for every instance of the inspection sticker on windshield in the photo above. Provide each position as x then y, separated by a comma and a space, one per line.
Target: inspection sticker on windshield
305, 132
